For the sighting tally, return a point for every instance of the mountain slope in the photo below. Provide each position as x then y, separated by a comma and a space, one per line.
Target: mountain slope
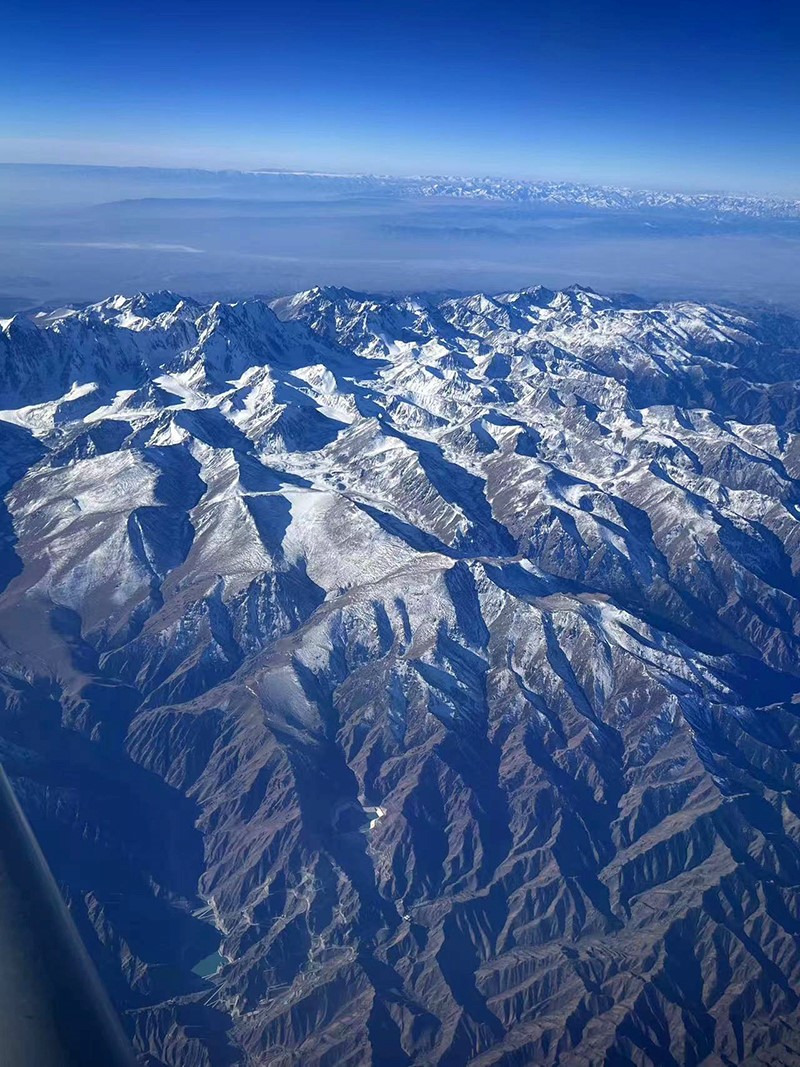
434, 661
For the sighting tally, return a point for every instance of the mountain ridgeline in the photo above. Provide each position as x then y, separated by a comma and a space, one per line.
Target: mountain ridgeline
411, 681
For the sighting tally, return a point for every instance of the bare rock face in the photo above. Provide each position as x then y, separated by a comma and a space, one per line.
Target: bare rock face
413, 682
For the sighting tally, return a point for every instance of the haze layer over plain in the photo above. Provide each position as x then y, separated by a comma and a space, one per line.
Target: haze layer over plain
73, 233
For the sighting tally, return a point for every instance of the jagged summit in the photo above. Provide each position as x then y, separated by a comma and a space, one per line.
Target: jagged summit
423, 671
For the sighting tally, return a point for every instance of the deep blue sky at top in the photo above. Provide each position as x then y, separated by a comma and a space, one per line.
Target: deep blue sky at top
684, 95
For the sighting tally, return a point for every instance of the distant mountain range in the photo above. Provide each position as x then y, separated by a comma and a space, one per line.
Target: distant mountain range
561, 194
107, 182
415, 681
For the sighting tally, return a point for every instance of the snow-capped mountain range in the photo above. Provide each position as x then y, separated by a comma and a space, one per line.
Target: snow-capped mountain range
559, 194
426, 668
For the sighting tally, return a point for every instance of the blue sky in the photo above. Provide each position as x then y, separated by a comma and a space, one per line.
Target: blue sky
703, 95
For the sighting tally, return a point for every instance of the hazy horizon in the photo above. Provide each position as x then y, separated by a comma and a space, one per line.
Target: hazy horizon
566, 178
77, 234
